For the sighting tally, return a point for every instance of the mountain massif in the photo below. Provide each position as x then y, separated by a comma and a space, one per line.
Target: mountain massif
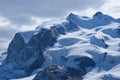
79, 48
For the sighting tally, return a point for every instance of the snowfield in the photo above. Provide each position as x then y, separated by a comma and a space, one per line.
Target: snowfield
93, 43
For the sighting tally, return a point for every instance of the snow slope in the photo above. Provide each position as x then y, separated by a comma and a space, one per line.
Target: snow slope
79, 44
91, 43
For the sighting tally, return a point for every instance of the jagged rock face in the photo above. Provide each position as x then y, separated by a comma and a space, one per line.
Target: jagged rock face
54, 72
71, 27
66, 27
15, 47
99, 42
59, 29
29, 56
77, 21
102, 19
85, 62
82, 63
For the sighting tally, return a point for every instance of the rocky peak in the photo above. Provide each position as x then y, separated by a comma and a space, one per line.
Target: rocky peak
98, 14
72, 17
29, 56
103, 17
15, 47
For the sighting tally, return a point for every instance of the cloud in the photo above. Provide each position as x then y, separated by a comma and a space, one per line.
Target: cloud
8, 29
4, 44
20, 10
111, 7
87, 12
7, 33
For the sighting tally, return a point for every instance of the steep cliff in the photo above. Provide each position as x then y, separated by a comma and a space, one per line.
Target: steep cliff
29, 56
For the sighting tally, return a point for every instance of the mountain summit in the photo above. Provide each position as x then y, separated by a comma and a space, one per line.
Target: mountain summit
98, 19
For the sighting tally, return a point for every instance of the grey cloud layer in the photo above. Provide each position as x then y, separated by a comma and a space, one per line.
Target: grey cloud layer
7, 33
44, 8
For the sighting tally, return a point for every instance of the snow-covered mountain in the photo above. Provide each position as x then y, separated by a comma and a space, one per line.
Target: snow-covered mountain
79, 48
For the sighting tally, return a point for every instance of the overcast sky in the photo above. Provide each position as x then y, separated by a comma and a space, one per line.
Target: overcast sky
21, 15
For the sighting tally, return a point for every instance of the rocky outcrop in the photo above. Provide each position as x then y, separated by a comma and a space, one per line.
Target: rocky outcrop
98, 42
71, 27
114, 33
15, 47
29, 56
65, 27
59, 29
85, 62
55, 72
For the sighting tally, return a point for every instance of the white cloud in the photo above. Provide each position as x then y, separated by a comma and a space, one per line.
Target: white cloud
4, 22
43, 8
111, 7
87, 12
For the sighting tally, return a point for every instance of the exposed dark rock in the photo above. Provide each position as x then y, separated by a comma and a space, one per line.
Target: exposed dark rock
98, 42
41, 75
77, 73
29, 56
109, 77
59, 28
114, 33
54, 72
101, 17
71, 27
98, 14
82, 63
104, 57
85, 62
15, 47
118, 31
